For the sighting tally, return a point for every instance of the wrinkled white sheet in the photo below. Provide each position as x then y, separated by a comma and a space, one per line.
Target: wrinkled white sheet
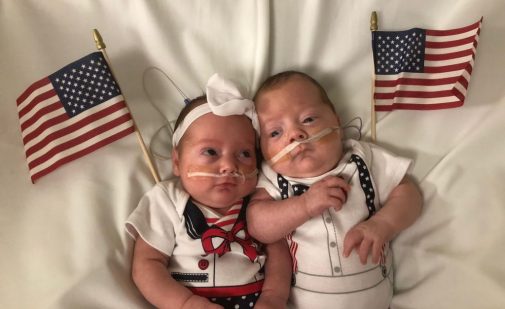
62, 241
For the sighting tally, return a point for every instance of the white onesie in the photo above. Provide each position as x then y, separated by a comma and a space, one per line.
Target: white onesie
211, 254
323, 277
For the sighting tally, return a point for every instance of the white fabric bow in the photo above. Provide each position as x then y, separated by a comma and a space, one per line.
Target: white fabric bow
223, 99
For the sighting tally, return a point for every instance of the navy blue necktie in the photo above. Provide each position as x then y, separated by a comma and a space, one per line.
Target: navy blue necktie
298, 189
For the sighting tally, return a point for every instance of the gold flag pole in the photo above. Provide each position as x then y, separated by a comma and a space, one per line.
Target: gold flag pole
373, 27
100, 45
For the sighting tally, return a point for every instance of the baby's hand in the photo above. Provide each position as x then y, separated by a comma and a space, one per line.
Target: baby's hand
365, 237
329, 192
199, 302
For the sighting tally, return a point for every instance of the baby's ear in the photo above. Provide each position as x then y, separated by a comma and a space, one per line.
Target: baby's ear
175, 162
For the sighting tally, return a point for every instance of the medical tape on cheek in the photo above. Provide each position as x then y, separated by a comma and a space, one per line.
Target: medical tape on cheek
238, 174
295, 144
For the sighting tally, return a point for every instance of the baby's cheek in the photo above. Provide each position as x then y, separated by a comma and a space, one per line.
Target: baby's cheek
269, 153
267, 149
282, 164
248, 166
201, 168
250, 185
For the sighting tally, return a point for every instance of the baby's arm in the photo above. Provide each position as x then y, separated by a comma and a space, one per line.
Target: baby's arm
401, 209
269, 220
150, 274
277, 283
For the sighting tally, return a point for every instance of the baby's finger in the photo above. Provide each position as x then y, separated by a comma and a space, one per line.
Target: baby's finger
336, 198
352, 240
337, 182
339, 194
364, 249
376, 252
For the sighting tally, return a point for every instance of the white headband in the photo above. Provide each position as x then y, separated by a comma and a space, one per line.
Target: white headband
223, 99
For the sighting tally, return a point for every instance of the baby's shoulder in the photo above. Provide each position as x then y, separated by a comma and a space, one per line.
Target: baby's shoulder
169, 193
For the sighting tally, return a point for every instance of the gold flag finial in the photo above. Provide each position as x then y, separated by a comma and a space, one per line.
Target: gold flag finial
98, 40
373, 21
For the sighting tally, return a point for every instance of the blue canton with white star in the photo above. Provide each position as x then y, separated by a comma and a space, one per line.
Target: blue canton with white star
398, 51
84, 84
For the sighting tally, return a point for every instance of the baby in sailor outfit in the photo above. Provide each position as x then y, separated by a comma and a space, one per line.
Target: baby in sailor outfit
337, 202
192, 248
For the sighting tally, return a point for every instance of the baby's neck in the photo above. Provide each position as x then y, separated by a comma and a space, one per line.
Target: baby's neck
222, 211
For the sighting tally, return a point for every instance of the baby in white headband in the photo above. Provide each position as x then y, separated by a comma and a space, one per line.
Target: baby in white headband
192, 247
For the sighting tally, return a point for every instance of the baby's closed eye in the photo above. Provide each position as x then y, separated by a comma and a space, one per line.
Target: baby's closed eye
209, 152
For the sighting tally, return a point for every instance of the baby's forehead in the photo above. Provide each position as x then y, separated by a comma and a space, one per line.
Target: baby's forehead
295, 83
225, 126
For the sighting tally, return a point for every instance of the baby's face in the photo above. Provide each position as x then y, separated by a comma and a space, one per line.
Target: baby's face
295, 111
222, 146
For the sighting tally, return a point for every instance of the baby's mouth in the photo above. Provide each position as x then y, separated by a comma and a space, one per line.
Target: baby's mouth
291, 148
300, 149
226, 184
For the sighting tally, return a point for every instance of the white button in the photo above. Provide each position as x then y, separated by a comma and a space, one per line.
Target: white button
333, 244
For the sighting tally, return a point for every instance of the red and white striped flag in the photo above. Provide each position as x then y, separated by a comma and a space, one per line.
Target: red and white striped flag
423, 69
71, 113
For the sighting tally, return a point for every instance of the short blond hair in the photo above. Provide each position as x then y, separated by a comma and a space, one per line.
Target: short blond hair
279, 79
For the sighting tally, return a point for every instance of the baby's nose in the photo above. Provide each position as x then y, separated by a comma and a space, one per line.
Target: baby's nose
228, 165
297, 135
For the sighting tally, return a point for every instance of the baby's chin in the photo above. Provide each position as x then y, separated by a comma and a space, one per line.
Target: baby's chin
303, 170
220, 203
305, 164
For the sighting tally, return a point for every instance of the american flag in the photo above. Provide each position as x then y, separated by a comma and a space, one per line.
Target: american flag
423, 69
71, 113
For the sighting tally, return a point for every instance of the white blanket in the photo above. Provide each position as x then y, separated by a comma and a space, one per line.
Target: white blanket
62, 240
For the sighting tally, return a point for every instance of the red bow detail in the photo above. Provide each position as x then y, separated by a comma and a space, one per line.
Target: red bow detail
246, 243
